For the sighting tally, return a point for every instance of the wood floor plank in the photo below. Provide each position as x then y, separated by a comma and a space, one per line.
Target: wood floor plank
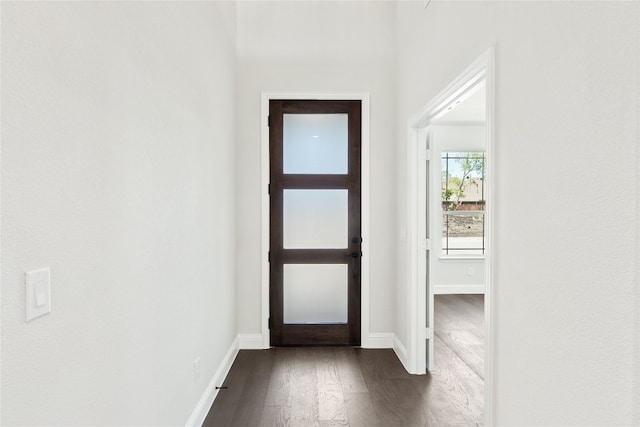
360, 410
304, 390
460, 325
349, 370
334, 423
227, 400
458, 387
466, 346
397, 403
251, 406
326, 387
442, 409
379, 364
275, 416
462, 312
279, 391
331, 406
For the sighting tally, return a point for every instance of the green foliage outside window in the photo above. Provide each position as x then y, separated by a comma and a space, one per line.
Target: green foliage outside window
459, 171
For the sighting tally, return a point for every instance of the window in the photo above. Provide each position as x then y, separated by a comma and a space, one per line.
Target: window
463, 203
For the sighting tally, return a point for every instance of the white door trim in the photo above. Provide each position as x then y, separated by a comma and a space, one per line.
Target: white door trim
367, 339
481, 68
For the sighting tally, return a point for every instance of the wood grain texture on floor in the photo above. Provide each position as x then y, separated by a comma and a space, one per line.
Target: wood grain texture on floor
345, 386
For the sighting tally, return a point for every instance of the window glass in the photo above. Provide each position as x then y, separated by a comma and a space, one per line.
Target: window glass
314, 219
315, 293
463, 203
315, 144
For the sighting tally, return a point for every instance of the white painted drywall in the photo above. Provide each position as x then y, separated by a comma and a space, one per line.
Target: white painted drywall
457, 138
449, 273
316, 47
566, 291
118, 173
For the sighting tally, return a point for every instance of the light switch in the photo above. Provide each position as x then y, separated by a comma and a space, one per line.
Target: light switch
41, 290
38, 293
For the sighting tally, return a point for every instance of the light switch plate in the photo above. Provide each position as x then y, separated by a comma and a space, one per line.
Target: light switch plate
38, 293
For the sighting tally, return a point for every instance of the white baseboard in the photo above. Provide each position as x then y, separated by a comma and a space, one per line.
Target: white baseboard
401, 352
204, 405
251, 342
378, 340
458, 289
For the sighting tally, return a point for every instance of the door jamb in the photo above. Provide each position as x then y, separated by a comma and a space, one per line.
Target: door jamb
484, 66
365, 341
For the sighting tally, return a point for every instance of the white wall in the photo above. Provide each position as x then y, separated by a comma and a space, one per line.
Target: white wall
461, 137
117, 172
565, 277
316, 47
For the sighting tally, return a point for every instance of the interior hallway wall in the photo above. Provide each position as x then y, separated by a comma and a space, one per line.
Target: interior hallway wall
566, 145
316, 47
117, 172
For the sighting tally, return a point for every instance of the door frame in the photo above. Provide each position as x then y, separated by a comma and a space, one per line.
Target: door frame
365, 340
482, 68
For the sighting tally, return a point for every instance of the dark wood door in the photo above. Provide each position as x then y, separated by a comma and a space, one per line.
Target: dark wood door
315, 237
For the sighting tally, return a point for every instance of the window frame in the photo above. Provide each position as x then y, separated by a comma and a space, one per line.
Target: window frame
445, 254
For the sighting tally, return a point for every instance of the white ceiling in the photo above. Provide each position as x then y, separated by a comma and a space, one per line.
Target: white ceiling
315, 31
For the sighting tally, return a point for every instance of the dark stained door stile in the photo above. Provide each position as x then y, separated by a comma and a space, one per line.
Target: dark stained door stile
314, 334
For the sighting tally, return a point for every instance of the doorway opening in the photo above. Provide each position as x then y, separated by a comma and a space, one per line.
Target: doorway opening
450, 164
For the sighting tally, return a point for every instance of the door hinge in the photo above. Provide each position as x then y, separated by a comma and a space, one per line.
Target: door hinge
269, 323
269, 256
426, 154
425, 244
269, 120
269, 189
428, 333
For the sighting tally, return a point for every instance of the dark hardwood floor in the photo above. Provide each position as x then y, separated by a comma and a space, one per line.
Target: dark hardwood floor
345, 386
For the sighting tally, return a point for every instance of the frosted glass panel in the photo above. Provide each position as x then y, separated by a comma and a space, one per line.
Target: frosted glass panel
315, 219
315, 143
315, 293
